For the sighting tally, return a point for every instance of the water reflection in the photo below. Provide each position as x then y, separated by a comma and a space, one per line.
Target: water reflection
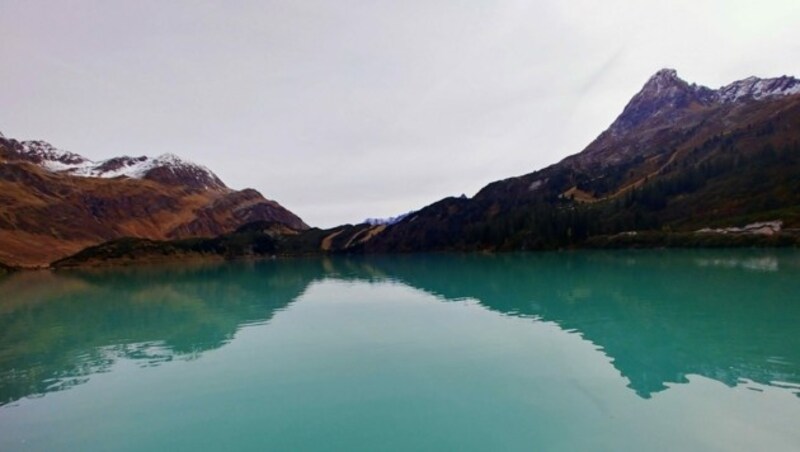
659, 316
765, 263
56, 329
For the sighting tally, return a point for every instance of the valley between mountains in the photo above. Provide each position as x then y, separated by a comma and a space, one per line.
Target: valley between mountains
683, 165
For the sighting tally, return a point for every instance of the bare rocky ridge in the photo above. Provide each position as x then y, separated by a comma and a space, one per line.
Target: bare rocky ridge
666, 104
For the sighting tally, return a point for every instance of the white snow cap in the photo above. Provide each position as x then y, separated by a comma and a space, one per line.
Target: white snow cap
60, 161
388, 221
757, 88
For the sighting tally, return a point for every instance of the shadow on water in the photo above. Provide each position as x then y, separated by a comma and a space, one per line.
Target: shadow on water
659, 316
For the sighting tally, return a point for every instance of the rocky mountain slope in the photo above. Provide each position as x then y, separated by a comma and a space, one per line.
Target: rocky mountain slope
680, 157
54, 203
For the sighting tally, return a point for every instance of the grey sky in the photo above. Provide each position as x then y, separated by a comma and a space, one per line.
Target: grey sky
342, 110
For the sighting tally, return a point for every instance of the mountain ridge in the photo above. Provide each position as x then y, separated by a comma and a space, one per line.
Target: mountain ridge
679, 156
56, 160
54, 203
666, 99
680, 166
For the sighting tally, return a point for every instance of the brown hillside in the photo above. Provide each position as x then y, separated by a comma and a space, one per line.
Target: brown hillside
46, 215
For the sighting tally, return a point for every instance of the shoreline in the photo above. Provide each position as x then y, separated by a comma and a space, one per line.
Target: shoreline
644, 240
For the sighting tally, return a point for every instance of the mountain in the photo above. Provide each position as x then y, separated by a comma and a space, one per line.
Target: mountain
682, 165
680, 157
54, 203
667, 102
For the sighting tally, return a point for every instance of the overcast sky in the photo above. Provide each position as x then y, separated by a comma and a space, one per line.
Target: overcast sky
342, 110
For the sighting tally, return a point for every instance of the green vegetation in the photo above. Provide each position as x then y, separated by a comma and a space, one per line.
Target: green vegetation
258, 239
135, 249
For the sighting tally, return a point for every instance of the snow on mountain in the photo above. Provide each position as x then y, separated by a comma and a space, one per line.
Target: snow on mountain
757, 88
666, 96
388, 221
665, 84
133, 167
50, 157
59, 161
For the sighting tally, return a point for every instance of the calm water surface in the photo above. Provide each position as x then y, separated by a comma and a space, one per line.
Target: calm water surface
651, 350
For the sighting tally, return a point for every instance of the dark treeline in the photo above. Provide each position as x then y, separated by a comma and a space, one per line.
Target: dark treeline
754, 182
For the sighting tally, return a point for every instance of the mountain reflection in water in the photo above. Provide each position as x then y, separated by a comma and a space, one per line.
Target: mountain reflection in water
659, 316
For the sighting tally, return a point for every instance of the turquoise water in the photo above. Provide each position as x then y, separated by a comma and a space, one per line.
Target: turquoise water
650, 350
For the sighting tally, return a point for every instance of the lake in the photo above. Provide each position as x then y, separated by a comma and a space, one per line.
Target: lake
617, 351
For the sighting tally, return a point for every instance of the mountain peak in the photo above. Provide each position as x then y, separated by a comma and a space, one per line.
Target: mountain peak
166, 168
171, 169
666, 72
664, 78
662, 95
665, 95
50, 157
666, 101
171, 158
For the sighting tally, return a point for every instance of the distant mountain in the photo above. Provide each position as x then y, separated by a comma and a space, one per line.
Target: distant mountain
680, 157
54, 203
387, 221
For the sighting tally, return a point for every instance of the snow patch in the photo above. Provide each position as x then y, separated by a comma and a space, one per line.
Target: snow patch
388, 221
756, 88
59, 161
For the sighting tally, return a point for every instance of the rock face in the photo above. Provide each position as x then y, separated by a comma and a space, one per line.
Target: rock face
54, 203
666, 102
662, 99
232, 210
